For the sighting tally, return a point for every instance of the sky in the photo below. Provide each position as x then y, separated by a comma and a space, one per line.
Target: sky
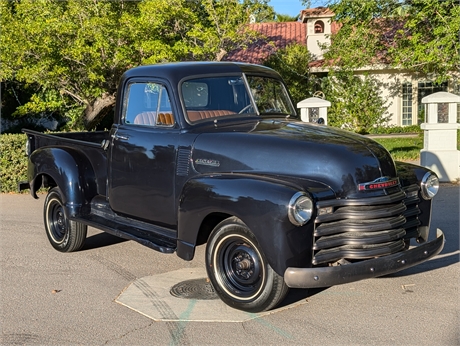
293, 7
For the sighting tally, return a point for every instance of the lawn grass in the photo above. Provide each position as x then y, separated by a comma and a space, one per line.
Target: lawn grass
403, 148
406, 148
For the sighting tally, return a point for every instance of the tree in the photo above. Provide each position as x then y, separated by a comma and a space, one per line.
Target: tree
420, 35
72, 53
356, 103
292, 63
286, 18
260, 10
220, 27
430, 38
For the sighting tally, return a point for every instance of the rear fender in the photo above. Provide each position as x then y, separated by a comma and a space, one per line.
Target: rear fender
70, 170
260, 202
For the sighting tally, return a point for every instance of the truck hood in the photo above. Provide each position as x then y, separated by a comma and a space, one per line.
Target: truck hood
336, 158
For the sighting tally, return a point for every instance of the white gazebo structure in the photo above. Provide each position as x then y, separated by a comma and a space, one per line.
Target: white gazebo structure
439, 151
313, 109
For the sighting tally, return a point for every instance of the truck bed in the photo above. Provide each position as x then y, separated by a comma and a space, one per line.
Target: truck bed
87, 144
93, 139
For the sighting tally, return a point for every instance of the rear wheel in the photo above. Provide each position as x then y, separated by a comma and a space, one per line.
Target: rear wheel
64, 235
239, 271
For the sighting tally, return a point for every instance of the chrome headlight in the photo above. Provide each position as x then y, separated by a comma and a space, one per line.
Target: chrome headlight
300, 209
429, 185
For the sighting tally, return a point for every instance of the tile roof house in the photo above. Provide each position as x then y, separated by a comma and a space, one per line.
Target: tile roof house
313, 28
403, 89
319, 28
274, 36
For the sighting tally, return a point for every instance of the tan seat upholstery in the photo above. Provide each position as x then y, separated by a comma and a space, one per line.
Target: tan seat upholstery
206, 114
165, 119
146, 118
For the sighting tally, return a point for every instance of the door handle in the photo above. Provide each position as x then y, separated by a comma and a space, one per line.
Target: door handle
120, 137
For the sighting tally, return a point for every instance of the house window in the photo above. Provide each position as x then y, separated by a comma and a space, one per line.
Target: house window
425, 89
407, 104
319, 27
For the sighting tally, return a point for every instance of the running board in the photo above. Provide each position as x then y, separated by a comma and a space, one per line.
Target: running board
145, 237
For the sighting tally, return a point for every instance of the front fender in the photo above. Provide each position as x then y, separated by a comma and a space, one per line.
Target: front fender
260, 202
69, 169
409, 173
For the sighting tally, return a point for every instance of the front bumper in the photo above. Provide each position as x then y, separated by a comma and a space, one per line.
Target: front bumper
330, 276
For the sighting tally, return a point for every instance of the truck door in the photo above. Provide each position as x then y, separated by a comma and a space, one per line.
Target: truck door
143, 155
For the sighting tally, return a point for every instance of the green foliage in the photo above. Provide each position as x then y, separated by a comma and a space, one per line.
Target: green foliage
419, 35
260, 9
13, 161
395, 129
429, 40
356, 103
219, 28
67, 50
292, 64
286, 18
72, 53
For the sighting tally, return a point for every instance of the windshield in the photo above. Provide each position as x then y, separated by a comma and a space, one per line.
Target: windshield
212, 97
269, 95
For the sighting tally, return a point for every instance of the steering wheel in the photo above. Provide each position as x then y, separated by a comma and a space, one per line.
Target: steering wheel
245, 109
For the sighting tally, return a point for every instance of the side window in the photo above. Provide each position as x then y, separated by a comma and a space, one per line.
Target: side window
148, 104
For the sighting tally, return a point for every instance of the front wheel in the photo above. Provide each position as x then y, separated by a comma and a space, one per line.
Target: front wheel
239, 271
64, 235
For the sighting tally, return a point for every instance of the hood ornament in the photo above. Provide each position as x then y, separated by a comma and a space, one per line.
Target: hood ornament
379, 184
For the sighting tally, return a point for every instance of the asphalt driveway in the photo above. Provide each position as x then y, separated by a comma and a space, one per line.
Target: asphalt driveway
52, 298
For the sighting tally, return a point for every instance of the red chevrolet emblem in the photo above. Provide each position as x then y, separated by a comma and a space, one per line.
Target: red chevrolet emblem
378, 184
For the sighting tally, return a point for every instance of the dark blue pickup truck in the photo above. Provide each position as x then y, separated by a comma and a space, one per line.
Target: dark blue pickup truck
214, 153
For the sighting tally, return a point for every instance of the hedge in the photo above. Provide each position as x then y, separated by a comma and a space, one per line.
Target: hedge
13, 161
391, 129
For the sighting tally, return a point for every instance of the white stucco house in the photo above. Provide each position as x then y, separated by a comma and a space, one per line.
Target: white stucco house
403, 89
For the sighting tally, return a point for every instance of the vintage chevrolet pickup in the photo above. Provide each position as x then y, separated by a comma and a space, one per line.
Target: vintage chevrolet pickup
214, 153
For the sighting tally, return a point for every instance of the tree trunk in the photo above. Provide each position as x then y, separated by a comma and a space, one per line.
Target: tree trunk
221, 54
97, 110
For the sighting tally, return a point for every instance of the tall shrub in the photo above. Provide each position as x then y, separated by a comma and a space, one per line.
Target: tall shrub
356, 103
292, 63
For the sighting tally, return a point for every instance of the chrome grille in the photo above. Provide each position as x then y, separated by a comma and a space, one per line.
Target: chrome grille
365, 228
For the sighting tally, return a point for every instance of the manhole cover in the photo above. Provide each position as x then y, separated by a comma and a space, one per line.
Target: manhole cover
194, 289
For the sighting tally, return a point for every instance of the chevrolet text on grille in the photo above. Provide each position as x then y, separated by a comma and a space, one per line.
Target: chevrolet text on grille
378, 184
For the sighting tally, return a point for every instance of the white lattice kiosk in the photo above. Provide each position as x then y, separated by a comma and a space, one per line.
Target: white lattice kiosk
313, 109
439, 151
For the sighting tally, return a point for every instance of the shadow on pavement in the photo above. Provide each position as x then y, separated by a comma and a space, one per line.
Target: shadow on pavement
297, 294
101, 240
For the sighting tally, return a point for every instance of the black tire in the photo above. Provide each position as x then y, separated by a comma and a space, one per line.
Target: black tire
64, 235
239, 271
